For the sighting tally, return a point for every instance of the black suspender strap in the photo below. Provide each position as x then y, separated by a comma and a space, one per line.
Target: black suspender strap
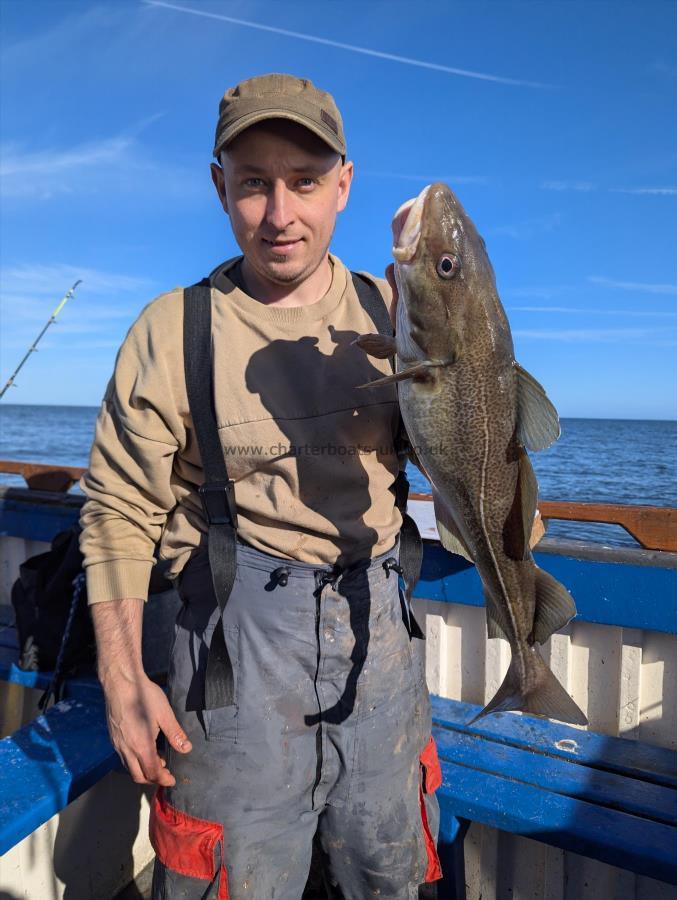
411, 545
218, 491
373, 304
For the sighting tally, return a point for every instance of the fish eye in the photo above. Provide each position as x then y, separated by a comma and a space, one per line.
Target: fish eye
448, 266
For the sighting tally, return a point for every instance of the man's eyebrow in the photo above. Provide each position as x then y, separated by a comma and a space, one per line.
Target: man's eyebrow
315, 168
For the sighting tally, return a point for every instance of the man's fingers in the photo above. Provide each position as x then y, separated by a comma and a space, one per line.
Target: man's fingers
537, 529
134, 769
390, 278
174, 733
153, 770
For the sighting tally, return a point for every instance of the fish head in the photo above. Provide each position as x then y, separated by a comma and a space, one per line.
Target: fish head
442, 271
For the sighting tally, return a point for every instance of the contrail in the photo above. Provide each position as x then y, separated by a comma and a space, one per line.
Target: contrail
449, 70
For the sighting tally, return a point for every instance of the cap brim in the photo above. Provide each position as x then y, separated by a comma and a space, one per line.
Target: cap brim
261, 115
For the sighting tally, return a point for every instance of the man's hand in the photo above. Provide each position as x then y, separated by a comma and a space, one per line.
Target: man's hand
136, 708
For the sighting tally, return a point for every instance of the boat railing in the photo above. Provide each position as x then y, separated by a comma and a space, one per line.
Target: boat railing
653, 527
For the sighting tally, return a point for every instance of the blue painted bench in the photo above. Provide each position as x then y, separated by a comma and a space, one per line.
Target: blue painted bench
609, 798
58, 756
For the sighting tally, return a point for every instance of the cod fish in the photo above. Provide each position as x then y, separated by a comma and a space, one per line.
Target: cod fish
471, 412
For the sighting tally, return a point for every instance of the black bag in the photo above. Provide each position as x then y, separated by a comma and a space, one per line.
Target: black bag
53, 622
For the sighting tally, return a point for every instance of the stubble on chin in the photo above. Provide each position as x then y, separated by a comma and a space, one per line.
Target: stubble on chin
276, 271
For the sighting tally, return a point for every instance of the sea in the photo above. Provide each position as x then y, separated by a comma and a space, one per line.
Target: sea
595, 460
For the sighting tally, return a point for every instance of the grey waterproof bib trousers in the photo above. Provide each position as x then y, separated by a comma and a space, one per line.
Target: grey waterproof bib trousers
328, 745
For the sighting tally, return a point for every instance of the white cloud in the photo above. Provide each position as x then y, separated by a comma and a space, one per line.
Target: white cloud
586, 311
14, 163
589, 335
52, 279
115, 165
664, 68
582, 186
541, 292
586, 187
96, 315
527, 228
637, 286
655, 191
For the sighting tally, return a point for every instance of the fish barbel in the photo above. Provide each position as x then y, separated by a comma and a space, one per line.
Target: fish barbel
471, 412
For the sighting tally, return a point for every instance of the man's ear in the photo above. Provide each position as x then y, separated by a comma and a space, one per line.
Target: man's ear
220, 185
344, 182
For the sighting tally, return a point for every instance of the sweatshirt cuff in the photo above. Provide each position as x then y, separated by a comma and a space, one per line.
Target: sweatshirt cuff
118, 579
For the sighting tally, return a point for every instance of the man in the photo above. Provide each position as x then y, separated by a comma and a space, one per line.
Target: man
327, 744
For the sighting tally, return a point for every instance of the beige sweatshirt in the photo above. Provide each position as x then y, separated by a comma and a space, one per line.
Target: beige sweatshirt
311, 455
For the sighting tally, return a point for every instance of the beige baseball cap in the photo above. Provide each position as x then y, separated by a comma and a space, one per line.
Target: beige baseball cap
279, 96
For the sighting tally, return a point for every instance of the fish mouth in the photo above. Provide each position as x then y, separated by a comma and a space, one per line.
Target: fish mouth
436, 205
407, 227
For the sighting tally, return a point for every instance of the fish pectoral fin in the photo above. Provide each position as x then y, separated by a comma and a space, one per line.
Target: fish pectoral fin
494, 630
380, 346
537, 419
555, 606
520, 521
421, 371
449, 532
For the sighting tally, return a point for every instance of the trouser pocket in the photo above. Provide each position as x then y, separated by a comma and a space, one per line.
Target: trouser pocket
189, 847
431, 779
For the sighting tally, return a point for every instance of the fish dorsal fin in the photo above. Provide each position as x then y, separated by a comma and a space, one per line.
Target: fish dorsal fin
537, 419
554, 606
449, 532
520, 519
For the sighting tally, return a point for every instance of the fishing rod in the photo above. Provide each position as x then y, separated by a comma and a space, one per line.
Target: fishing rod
34, 345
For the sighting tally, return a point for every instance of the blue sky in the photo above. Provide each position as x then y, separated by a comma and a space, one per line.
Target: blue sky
555, 123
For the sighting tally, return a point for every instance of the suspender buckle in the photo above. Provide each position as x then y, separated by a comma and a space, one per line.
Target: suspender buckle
218, 502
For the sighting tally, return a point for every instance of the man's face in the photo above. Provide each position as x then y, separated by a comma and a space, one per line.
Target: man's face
282, 187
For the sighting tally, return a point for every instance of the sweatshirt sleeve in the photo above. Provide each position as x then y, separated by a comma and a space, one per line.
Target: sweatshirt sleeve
128, 483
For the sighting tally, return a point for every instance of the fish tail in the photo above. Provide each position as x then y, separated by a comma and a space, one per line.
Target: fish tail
544, 695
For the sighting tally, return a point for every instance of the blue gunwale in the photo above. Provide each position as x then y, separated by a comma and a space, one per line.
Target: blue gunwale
636, 590
606, 593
